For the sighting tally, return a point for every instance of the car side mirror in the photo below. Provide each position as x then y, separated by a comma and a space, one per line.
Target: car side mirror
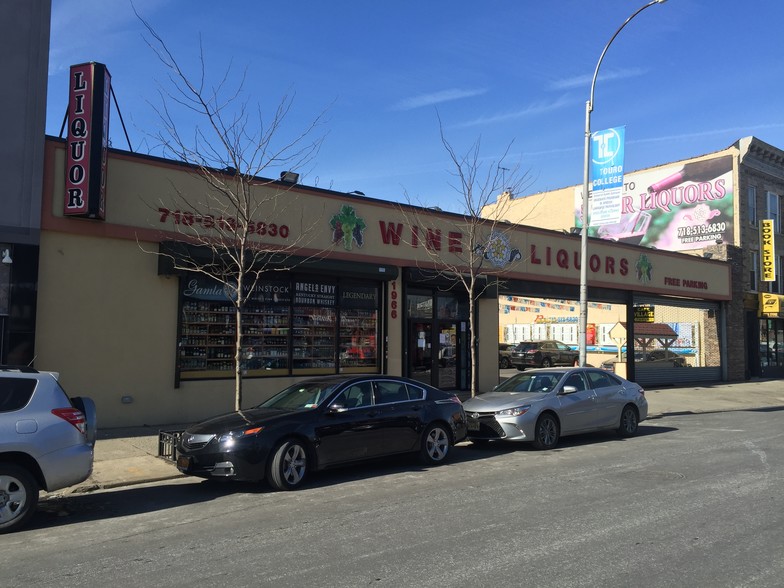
568, 390
336, 408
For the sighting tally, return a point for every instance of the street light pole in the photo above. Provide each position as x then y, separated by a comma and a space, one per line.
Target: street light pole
583, 325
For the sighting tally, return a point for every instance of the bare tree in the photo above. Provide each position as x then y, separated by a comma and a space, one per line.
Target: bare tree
227, 221
476, 251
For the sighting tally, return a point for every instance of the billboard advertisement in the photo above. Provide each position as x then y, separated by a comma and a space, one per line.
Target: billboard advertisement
673, 208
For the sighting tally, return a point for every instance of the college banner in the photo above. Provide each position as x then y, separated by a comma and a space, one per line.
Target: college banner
606, 176
674, 208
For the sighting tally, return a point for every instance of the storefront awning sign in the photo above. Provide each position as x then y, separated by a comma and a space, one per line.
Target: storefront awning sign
771, 305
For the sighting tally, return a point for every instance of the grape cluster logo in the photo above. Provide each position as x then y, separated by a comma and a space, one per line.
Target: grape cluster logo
347, 228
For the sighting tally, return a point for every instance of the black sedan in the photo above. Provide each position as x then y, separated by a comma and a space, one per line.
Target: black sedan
320, 423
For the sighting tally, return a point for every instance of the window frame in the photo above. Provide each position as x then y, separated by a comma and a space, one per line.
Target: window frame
754, 274
774, 210
751, 202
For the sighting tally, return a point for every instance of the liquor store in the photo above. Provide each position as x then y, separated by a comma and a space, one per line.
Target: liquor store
121, 321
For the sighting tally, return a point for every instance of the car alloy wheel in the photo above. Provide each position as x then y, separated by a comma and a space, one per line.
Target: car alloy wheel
546, 362
546, 432
629, 421
435, 444
288, 465
18, 497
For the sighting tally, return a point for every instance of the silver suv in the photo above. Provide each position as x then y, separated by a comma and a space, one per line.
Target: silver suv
46, 441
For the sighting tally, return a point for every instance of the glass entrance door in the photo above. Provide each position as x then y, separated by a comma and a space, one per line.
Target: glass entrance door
447, 356
420, 348
437, 340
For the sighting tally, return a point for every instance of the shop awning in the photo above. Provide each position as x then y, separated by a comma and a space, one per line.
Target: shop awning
173, 251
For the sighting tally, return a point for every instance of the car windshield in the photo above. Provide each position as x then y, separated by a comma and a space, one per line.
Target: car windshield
302, 396
531, 382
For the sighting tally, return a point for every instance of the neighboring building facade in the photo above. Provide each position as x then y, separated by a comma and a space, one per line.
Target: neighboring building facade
724, 206
24, 40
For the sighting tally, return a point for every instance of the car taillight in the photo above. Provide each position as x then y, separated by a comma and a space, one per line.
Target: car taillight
73, 416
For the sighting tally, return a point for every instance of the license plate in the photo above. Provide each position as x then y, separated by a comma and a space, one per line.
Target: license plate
472, 424
183, 463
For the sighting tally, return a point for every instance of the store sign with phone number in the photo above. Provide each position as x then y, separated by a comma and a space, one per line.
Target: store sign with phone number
223, 223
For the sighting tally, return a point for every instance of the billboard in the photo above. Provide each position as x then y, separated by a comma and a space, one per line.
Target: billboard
673, 208
89, 91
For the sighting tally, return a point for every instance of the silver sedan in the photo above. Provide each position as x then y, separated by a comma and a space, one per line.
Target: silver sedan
543, 405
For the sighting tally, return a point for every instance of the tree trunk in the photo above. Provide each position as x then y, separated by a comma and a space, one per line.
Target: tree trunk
238, 342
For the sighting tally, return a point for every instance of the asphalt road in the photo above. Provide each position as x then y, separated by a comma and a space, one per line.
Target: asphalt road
695, 500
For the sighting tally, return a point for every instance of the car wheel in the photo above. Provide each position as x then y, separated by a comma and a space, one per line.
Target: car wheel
435, 444
629, 421
18, 497
546, 362
288, 465
505, 363
547, 432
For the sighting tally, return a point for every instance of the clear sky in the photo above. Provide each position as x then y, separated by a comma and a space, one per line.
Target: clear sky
685, 77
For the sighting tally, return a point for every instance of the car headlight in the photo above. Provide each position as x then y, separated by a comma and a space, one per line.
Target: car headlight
516, 411
232, 437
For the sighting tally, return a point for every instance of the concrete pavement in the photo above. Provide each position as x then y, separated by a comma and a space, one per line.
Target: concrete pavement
127, 456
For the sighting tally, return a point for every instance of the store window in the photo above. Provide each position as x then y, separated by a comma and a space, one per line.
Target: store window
419, 305
771, 345
681, 344
291, 326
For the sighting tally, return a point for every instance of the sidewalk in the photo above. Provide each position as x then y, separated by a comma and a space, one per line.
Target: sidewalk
129, 456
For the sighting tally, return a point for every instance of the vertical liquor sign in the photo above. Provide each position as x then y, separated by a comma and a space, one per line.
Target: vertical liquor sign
88, 141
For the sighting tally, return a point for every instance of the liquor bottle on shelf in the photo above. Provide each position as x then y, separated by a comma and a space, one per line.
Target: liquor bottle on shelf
696, 171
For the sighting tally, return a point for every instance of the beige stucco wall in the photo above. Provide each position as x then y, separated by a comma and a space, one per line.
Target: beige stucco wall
488, 344
108, 324
394, 319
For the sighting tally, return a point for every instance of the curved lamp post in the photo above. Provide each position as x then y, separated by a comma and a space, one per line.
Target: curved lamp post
583, 326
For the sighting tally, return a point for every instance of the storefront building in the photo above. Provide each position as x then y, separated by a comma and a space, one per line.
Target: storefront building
153, 345
722, 206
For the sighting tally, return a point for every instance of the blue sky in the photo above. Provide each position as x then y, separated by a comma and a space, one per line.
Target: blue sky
685, 77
